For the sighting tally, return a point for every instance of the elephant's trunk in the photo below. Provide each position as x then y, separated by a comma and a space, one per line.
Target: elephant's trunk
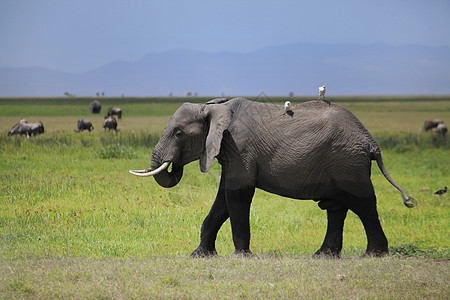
165, 178
159, 171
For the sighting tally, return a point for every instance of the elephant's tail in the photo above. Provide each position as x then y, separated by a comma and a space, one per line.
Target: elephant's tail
409, 202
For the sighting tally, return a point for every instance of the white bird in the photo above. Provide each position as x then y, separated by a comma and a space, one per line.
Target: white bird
322, 91
287, 107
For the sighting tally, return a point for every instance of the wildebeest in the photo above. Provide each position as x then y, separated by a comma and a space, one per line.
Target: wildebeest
23, 127
84, 125
95, 107
430, 124
110, 123
441, 129
114, 111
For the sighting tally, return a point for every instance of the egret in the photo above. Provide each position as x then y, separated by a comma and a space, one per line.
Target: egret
287, 107
322, 91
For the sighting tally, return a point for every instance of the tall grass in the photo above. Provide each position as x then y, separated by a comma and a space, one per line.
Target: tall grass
405, 142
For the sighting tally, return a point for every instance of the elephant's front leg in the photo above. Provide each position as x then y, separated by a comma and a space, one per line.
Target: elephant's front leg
238, 203
211, 225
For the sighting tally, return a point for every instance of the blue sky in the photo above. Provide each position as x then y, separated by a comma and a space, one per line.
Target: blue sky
77, 36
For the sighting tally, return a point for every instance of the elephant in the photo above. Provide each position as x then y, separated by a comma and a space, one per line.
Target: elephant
110, 123
319, 152
23, 127
114, 111
95, 107
84, 125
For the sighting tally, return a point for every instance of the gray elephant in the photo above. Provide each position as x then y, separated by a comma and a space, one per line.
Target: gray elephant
23, 127
320, 151
84, 125
114, 111
95, 107
110, 124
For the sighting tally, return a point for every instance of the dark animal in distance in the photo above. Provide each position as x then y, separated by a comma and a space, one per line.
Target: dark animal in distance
110, 124
23, 127
84, 125
114, 111
441, 192
441, 129
95, 107
321, 152
430, 124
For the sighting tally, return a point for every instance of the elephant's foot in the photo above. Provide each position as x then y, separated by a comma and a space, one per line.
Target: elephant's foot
327, 253
243, 254
202, 252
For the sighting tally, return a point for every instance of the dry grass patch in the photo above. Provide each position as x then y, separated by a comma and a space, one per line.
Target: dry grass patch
225, 278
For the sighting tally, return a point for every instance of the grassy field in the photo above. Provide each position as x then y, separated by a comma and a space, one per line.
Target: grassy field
74, 223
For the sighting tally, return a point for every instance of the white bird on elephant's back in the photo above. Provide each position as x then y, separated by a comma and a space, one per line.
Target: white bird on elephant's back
287, 106
322, 91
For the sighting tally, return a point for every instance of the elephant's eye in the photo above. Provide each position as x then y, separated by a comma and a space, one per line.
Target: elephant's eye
178, 133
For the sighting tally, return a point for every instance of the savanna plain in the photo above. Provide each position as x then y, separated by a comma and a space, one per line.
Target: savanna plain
75, 224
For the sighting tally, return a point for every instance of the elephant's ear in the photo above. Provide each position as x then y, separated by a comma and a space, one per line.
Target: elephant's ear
219, 117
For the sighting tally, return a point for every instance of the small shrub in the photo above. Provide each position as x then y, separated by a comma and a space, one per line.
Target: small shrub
407, 142
133, 139
117, 151
407, 250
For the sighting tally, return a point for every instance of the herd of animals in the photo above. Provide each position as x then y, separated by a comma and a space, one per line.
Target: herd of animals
110, 123
32, 129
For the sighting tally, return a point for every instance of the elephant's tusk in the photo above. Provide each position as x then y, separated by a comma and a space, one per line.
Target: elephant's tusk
149, 172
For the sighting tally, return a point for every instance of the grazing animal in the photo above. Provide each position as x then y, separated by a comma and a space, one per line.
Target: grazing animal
84, 125
23, 127
110, 124
322, 92
95, 107
430, 124
330, 157
114, 111
441, 129
441, 192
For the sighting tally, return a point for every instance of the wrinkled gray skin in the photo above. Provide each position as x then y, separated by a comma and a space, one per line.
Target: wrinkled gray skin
111, 124
84, 125
23, 127
95, 107
320, 151
114, 111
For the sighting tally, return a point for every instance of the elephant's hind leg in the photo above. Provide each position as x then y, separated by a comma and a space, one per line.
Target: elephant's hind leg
332, 244
377, 244
366, 209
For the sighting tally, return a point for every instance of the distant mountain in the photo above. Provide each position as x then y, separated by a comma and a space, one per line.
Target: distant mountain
346, 69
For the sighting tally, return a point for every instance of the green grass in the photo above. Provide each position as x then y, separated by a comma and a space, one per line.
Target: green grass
70, 195
75, 224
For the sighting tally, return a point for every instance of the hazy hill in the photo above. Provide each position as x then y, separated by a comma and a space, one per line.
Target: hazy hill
346, 69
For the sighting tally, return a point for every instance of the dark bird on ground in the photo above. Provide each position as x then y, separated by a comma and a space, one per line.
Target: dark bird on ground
441, 192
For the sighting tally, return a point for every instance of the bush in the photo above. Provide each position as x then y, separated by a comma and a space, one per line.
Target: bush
133, 139
117, 151
405, 142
